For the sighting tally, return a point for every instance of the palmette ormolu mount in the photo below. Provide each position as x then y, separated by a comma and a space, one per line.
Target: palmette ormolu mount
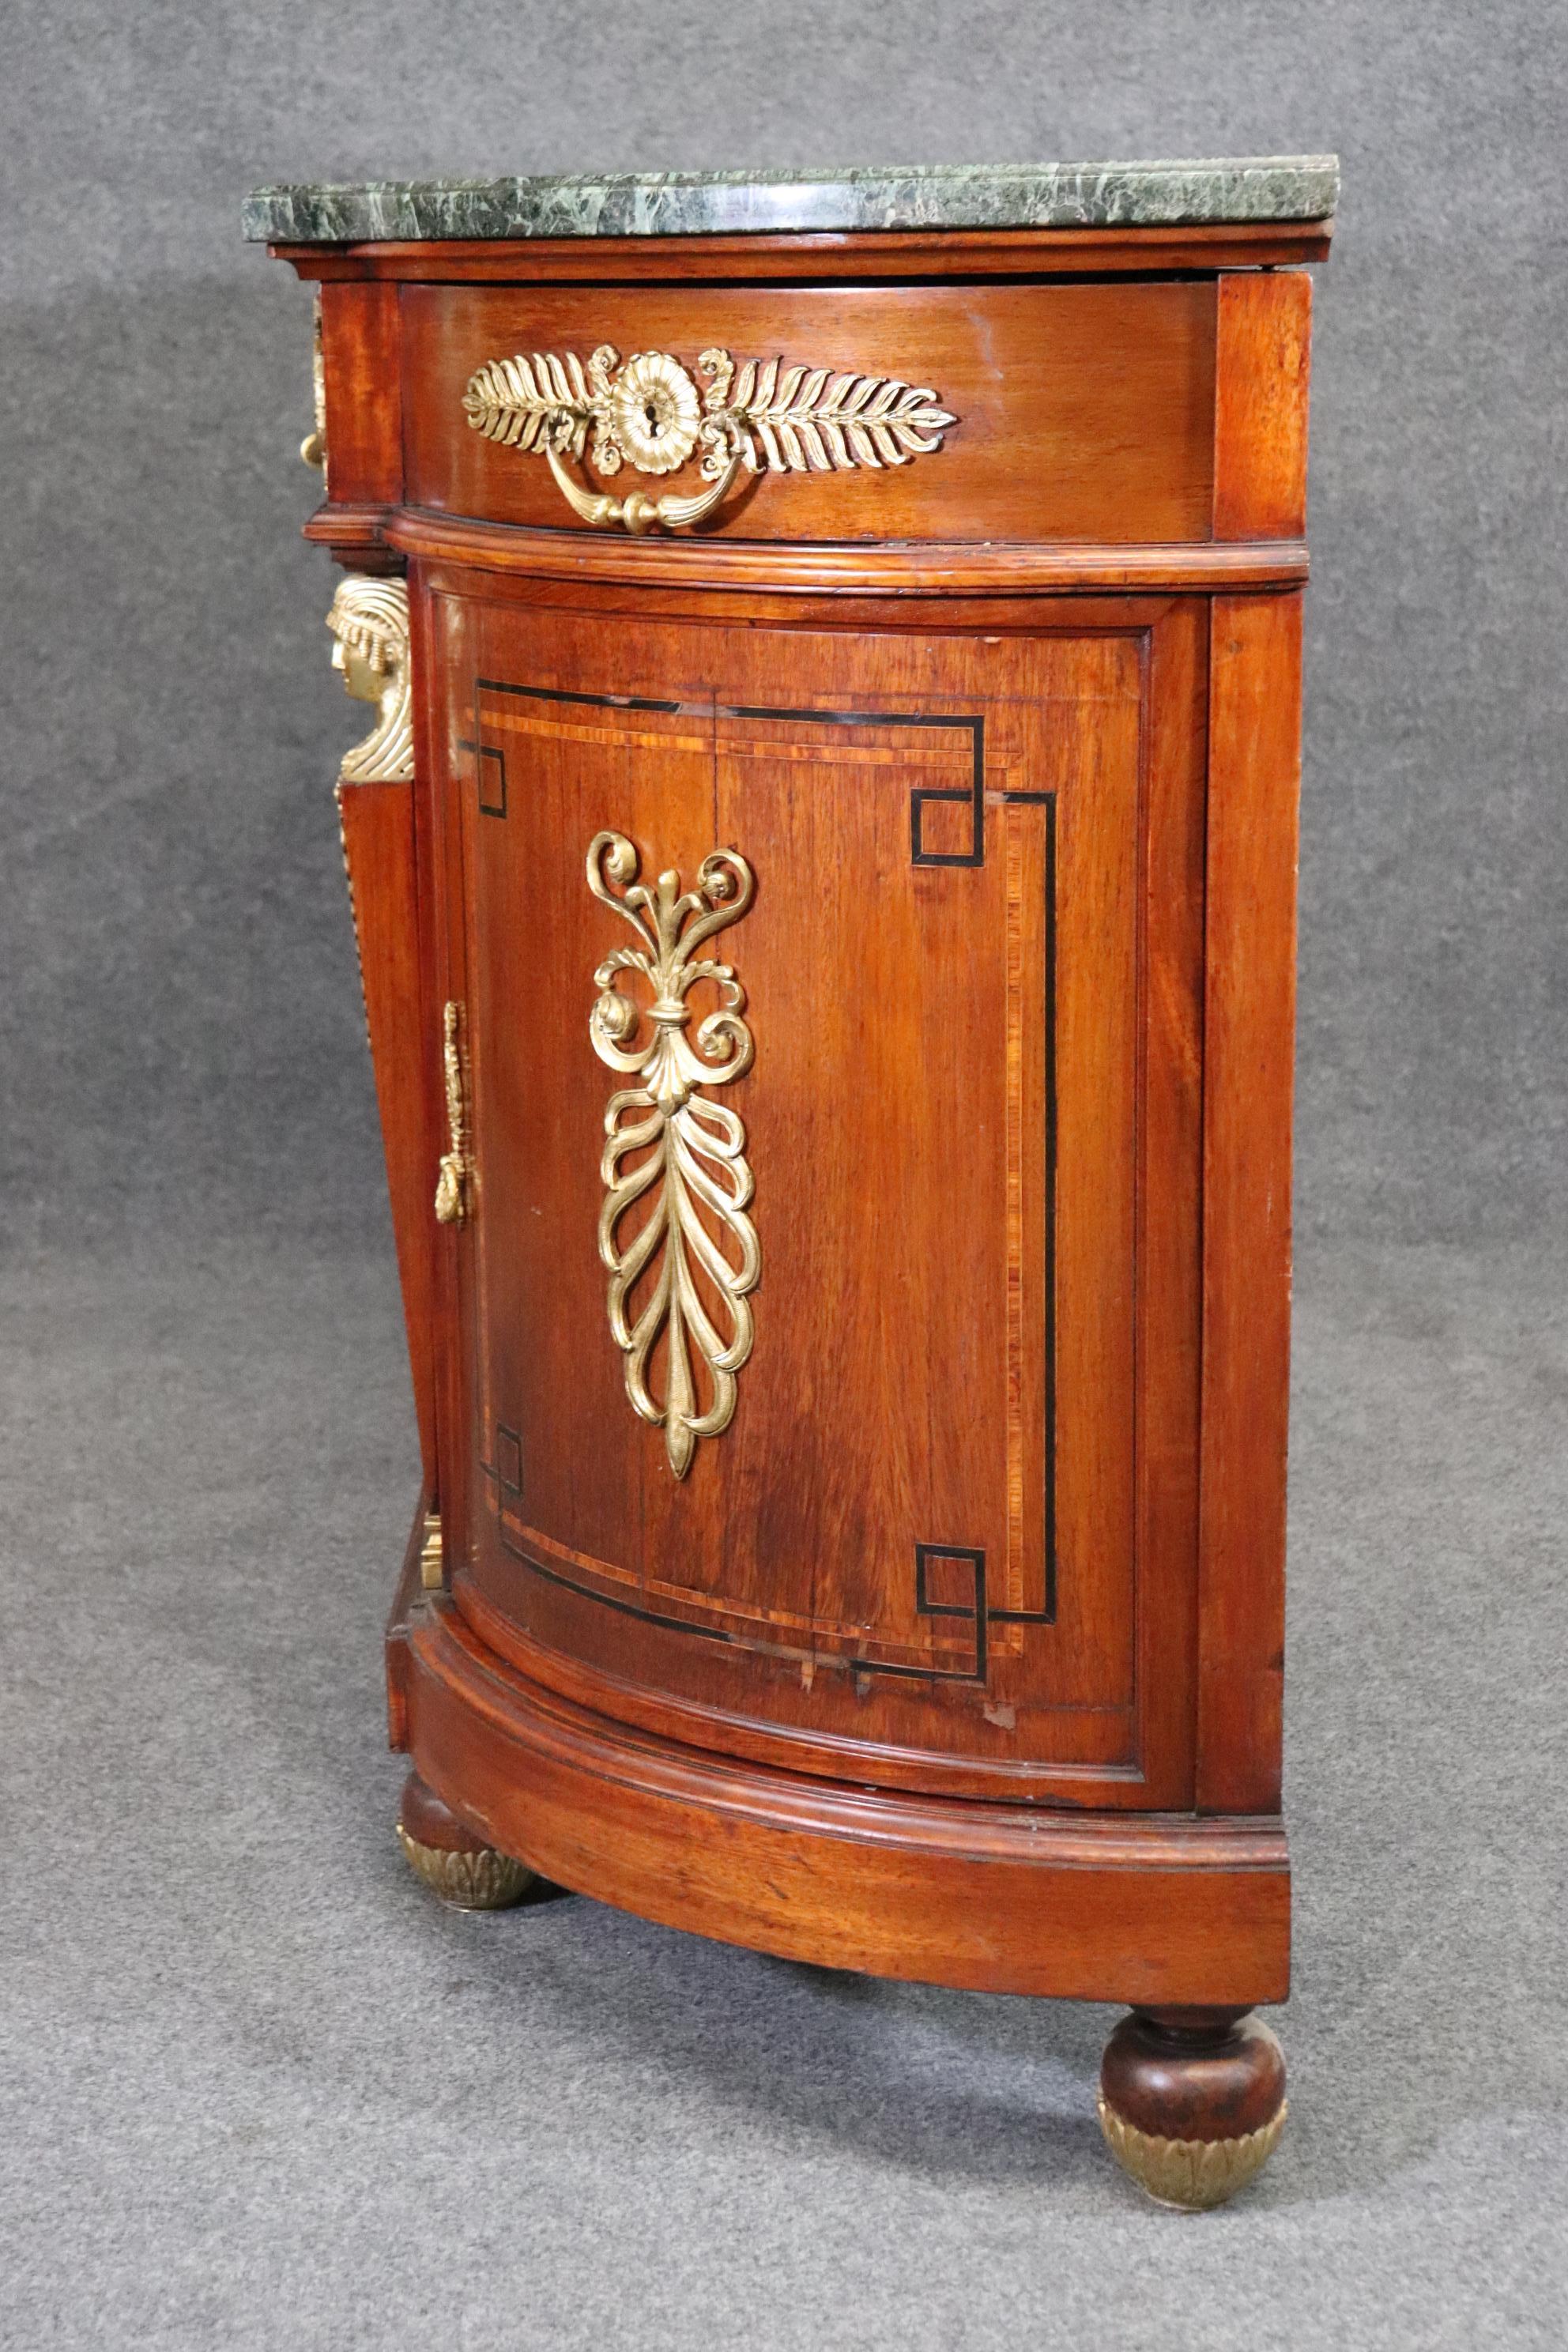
824, 872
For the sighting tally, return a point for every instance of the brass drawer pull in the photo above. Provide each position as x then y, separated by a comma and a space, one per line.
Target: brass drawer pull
639, 512
647, 412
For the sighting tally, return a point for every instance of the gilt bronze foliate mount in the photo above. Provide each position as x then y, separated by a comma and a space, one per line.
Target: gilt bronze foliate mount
663, 1139
650, 411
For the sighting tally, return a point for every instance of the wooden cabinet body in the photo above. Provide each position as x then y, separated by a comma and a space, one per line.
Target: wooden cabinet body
954, 1652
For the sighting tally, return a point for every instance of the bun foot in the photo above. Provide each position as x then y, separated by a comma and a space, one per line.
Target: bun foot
462, 1870
1192, 2101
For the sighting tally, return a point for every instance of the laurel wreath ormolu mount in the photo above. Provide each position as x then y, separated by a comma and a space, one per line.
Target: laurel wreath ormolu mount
879, 1560
647, 412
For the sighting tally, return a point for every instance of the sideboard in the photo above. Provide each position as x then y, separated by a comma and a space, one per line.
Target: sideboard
824, 873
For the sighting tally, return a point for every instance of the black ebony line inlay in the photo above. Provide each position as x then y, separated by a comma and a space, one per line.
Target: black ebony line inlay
505, 1473
975, 728
493, 784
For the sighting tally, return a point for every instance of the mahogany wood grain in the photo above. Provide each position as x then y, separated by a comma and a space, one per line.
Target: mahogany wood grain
354, 534
960, 614
1167, 1251
929, 571
430, 1822
1260, 406
1085, 412
1193, 2074
692, 1723
1249, 1061
1005, 1898
827, 256
361, 333
437, 641
405, 1600
380, 852
1064, 716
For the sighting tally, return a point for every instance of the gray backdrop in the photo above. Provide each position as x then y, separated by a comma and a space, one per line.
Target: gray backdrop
184, 1038
256, 2088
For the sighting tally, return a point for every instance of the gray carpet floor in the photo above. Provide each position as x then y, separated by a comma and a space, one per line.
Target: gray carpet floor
256, 2088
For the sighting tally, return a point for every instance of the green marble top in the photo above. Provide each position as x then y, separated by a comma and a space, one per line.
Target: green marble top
714, 204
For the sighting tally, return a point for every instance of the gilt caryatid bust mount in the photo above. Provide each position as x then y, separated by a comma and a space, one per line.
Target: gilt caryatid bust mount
369, 620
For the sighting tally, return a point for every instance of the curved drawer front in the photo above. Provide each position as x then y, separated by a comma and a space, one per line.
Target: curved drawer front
1080, 412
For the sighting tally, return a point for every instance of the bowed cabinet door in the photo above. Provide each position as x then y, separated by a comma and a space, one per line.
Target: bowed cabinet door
858, 1432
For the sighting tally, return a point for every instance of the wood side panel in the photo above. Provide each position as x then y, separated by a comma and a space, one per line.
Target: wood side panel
359, 333
378, 830
406, 1601
435, 627
1261, 367
1084, 411
995, 1897
1249, 1035
828, 253
1170, 1161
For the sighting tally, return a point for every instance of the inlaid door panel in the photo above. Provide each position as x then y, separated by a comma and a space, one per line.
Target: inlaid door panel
917, 1473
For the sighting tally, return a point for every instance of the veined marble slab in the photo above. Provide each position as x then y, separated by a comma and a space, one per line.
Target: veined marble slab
714, 204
